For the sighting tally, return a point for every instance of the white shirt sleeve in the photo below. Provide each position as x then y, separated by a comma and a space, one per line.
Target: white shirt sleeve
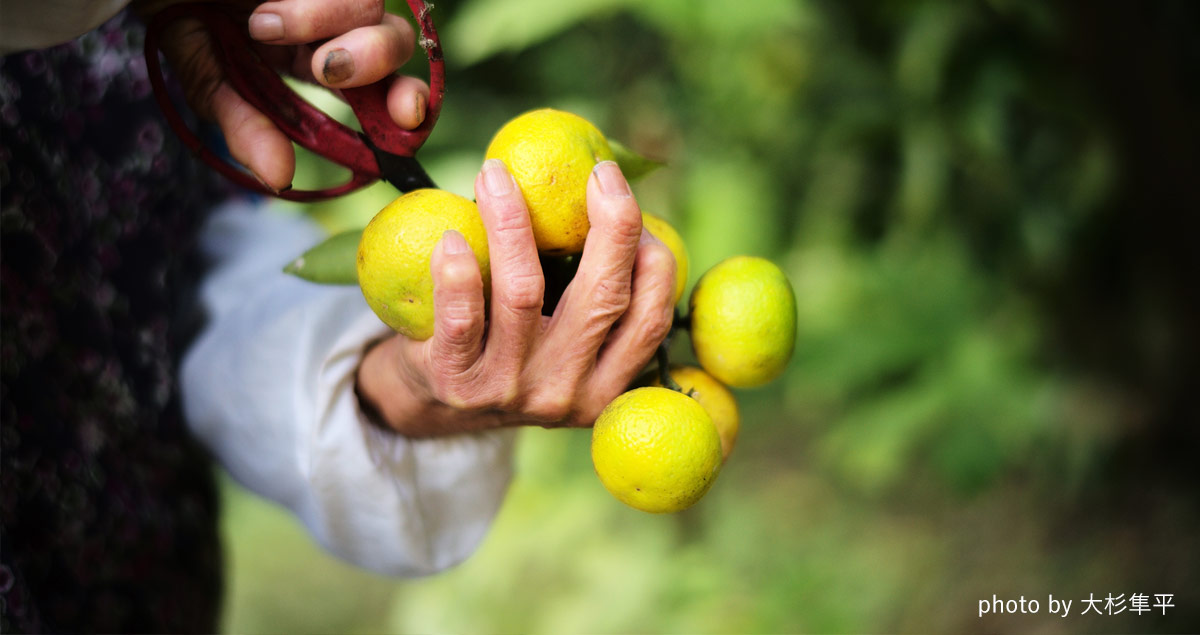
269, 387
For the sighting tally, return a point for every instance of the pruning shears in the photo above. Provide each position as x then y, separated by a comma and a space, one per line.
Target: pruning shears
383, 150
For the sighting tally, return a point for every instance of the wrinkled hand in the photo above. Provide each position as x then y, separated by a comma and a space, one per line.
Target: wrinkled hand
512, 365
367, 44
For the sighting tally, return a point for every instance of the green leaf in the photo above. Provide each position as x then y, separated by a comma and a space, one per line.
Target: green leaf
333, 261
633, 165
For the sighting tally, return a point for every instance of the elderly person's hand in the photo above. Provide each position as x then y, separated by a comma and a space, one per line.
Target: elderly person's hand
366, 44
510, 365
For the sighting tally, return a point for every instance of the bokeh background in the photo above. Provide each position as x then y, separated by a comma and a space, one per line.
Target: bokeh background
989, 212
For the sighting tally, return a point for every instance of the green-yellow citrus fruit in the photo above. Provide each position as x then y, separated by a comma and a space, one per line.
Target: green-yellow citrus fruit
663, 231
395, 250
551, 154
656, 450
718, 402
743, 321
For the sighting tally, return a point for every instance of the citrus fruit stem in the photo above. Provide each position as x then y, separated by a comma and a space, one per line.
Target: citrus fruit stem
664, 366
681, 321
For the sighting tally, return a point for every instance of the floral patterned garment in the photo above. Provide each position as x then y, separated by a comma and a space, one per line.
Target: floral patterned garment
107, 508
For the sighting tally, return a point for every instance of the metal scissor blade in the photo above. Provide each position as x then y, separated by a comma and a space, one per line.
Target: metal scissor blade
403, 172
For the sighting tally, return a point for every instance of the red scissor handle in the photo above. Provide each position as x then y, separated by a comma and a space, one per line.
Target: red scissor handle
302, 122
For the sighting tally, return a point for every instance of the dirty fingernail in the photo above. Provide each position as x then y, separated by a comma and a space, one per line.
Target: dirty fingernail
496, 178
610, 179
266, 27
418, 109
339, 66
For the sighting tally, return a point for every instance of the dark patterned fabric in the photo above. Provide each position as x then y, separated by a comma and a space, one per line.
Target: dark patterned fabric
107, 508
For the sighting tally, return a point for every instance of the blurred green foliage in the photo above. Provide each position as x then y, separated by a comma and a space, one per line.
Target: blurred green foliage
925, 172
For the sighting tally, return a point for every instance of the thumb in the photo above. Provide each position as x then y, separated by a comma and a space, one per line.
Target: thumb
252, 139
458, 306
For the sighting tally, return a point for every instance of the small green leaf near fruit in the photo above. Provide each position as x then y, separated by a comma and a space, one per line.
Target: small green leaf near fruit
330, 262
633, 165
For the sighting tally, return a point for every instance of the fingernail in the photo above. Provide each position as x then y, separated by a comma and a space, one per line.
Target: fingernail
453, 243
649, 239
266, 27
339, 66
419, 109
272, 189
496, 178
610, 179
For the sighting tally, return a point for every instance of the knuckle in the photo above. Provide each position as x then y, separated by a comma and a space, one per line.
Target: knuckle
655, 328
523, 291
656, 258
550, 405
657, 268
622, 224
457, 323
610, 299
460, 395
509, 397
658, 329
448, 393
510, 220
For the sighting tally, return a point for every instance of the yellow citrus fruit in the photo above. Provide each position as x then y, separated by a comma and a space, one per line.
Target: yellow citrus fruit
656, 450
662, 230
551, 154
743, 321
395, 250
717, 400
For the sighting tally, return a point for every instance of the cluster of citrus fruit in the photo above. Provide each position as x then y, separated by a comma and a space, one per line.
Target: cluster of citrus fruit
658, 447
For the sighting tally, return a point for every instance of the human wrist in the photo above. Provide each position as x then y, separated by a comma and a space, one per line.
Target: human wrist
385, 394
393, 396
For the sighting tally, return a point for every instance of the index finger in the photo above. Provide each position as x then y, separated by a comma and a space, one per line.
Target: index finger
303, 21
517, 282
365, 54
